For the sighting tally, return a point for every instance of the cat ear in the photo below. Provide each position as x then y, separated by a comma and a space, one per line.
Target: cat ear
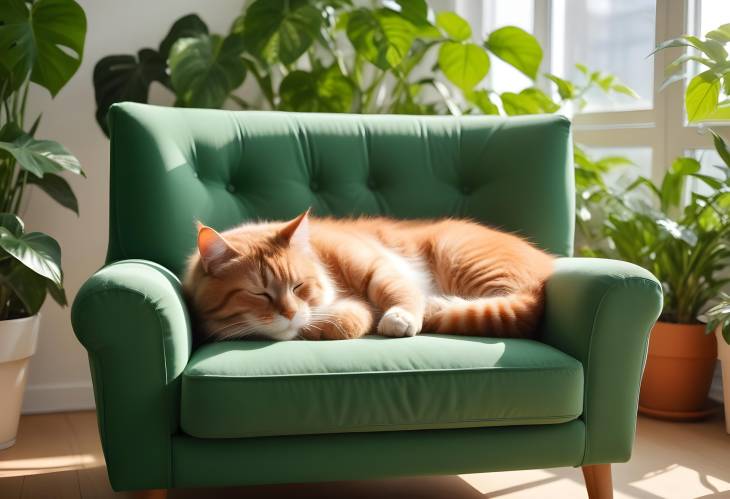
213, 248
296, 232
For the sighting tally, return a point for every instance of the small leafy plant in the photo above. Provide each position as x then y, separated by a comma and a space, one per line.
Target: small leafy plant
707, 96
41, 43
682, 237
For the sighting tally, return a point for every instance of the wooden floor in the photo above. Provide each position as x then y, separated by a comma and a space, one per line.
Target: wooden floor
58, 456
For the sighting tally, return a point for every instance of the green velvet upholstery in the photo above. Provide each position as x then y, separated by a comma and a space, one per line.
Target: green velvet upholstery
258, 388
245, 412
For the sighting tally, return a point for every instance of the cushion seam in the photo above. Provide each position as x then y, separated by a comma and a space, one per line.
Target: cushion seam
567, 417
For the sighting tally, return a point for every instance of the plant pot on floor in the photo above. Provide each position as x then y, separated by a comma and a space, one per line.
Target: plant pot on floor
678, 373
723, 353
18, 338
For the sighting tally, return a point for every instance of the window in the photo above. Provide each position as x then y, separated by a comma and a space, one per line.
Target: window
615, 36
610, 35
639, 156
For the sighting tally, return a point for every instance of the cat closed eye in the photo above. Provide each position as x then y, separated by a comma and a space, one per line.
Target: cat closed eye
265, 295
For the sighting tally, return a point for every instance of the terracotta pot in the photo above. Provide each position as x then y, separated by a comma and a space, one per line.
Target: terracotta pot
678, 372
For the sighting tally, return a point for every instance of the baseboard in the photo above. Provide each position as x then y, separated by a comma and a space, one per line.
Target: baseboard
58, 397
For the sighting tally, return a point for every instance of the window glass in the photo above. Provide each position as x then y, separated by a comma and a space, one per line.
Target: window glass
611, 35
640, 156
713, 13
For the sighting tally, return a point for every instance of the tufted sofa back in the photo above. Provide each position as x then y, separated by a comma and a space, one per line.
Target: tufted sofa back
172, 166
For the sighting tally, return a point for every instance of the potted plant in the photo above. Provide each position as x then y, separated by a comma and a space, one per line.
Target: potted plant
41, 43
718, 322
684, 239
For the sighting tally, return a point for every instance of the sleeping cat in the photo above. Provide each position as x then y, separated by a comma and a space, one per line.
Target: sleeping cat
325, 279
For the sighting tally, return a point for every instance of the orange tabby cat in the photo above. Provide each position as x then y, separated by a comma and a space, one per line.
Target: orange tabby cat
322, 278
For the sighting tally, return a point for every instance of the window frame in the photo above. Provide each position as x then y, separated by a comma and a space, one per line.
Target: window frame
663, 128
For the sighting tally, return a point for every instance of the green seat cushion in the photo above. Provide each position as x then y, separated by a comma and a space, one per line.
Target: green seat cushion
258, 388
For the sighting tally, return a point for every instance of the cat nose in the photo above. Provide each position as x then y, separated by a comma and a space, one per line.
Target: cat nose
289, 314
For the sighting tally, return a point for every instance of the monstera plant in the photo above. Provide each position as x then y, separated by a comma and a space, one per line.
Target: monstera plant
41, 44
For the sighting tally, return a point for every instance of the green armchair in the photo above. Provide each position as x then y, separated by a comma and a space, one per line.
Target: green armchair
175, 414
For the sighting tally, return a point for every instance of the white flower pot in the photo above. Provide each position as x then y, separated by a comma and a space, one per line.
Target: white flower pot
723, 353
18, 338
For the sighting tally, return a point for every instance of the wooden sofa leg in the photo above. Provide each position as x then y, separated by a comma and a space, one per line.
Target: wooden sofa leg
598, 481
150, 494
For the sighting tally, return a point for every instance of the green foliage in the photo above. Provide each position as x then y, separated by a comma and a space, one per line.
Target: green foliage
280, 30
719, 316
464, 64
204, 70
704, 97
687, 241
454, 26
45, 41
516, 47
330, 55
42, 43
322, 90
682, 237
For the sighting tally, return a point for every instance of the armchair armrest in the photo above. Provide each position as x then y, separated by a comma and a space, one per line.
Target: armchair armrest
132, 319
601, 312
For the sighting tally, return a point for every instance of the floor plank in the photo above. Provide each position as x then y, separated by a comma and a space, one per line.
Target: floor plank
60, 456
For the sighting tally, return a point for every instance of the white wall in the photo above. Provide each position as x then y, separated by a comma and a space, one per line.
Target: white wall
59, 375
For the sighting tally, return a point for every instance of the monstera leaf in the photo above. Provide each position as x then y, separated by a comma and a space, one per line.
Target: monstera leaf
58, 189
127, 77
120, 78
319, 91
381, 36
31, 267
41, 156
279, 30
45, 40
205, 69
186, 27
12, 223
37, 251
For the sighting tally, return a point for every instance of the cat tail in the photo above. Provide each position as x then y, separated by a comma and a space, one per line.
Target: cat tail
514, 315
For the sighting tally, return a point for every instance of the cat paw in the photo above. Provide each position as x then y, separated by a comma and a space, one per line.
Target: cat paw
397, 322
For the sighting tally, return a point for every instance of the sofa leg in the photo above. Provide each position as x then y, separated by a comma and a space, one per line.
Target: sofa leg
598, 481
150, 494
